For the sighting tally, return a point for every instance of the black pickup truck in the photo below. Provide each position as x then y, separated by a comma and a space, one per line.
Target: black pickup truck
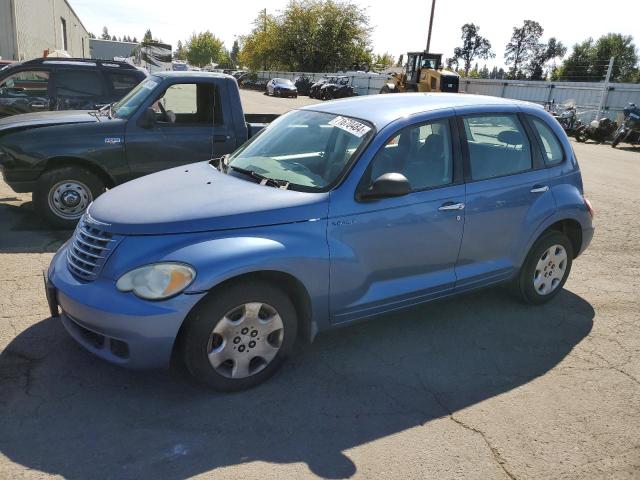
69, 158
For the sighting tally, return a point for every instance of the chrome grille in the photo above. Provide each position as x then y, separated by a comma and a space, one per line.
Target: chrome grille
89, 249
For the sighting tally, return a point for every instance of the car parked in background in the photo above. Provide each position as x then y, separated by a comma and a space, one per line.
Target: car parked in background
336, 213
281, 87
336, 87
314, 89
67, 159
64, 84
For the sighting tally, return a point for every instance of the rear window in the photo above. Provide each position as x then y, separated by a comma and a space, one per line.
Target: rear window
78, 83
551, 147
121, 83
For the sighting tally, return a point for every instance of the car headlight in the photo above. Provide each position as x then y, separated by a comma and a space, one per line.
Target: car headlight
157, 281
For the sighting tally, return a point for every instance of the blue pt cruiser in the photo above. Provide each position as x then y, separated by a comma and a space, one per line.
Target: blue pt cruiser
335, 213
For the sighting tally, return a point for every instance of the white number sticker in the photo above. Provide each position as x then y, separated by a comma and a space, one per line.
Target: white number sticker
149, 84
350, 125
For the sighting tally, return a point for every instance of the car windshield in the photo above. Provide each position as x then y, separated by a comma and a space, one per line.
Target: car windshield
130, 103
307, 150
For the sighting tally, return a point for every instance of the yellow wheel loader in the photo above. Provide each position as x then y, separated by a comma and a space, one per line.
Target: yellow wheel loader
422, 73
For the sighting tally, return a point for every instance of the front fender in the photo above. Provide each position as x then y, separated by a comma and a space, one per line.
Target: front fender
299, 250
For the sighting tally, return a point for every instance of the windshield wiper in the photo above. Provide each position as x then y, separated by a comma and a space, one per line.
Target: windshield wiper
262, 180
95, 113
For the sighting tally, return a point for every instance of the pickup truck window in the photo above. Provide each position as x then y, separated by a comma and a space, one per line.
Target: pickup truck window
189, 103
309, 150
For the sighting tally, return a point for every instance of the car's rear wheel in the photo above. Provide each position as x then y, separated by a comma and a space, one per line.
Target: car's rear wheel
63, 194
546, 268
238, 337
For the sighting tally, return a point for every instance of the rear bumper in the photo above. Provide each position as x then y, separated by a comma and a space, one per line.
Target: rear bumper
587, 236
117, 327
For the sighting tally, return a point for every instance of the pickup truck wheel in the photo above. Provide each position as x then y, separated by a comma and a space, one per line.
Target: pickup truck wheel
238, 337
63, 194
546, 268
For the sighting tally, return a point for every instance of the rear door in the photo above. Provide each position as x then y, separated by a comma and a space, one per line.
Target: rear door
25, 91
190, 127
507, 194
79, 89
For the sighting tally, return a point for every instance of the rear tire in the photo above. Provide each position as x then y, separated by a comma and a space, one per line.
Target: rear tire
246, 330
617, 139
546, 268
63, 194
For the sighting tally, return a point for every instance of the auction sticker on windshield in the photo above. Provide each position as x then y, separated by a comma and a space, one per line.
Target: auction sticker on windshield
350, 125
149, 84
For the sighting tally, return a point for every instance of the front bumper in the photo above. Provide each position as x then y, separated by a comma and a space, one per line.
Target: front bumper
117, 327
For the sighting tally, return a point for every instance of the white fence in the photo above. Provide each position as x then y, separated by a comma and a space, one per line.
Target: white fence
586, 96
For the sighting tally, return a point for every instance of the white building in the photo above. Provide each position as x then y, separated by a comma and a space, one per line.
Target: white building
30, 27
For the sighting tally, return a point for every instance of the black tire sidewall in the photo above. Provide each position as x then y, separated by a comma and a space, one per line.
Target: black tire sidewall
50, 178
208, 313
525, 279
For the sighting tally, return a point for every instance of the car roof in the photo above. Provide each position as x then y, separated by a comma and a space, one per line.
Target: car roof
384, 109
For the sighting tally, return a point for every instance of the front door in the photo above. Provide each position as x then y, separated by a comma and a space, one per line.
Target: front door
507, 196
184, 131
395, 252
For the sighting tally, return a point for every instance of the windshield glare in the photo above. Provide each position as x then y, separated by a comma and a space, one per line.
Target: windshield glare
132, 100
310, 150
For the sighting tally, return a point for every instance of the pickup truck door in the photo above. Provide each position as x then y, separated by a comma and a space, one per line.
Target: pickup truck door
184, 132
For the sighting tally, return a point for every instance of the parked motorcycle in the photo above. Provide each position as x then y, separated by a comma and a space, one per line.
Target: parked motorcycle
567, 118
629, 130
599, 131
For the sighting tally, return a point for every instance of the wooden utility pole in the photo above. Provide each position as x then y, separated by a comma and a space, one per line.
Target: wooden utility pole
433, 7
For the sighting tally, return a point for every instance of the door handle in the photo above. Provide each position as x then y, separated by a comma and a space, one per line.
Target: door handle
36, 105
539, 189
451, 206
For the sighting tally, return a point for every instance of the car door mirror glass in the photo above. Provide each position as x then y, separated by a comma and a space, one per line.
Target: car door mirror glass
386, 186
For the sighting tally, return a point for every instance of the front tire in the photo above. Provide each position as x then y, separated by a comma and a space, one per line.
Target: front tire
238, 337
546, 268
62, 195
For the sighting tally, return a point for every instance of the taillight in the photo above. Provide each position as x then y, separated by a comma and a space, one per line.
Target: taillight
589, 206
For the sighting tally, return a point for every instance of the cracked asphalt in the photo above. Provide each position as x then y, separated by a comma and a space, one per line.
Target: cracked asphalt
475, 387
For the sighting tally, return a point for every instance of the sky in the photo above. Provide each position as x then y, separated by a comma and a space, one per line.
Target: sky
395, 30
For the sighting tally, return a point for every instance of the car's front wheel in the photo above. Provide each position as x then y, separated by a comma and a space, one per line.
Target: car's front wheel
239, 336
546, 268
63, 194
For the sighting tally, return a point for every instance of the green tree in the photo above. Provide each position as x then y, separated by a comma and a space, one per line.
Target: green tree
105, 34
148, 37
309, 35
233, 55
384, 61
484, 72
589, 60
400, 62
522, 47
473, 46
204, 48
180, 53
542, 54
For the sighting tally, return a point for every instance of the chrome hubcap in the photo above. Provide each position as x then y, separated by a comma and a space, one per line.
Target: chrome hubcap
245, 340
550, 270
69, 199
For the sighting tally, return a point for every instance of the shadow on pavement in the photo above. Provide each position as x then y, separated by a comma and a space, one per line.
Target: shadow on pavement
64, 412
22, 231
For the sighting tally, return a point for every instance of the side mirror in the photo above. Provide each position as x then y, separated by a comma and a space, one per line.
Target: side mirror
385, 186
148, 118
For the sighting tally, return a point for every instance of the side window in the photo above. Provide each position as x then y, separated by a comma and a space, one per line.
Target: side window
31, 83
79, 84
498, 146
421, 153
190, 103
552, 149
121, 83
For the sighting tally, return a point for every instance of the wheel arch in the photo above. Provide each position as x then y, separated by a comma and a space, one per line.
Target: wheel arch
291, 285
69, 161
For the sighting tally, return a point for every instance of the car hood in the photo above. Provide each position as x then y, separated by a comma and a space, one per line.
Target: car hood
45, 119
199, 198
